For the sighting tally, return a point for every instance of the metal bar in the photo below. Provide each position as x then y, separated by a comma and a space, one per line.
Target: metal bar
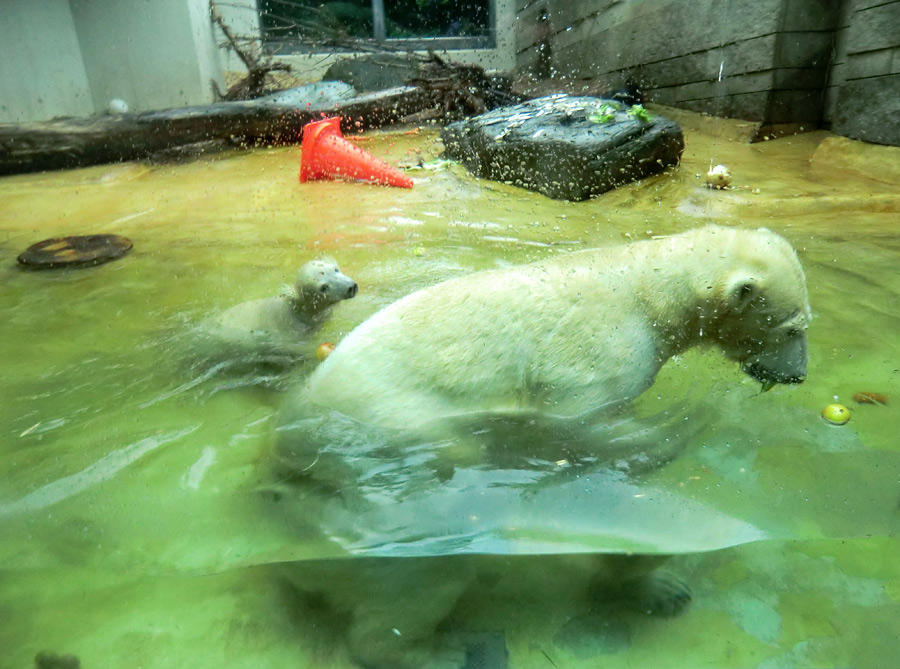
378, 20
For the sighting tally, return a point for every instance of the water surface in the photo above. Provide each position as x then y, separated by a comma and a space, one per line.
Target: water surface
130, 531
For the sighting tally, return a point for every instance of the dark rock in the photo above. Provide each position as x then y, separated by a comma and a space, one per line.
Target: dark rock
312, 95
376, 72
629, 93
568, 148
49, 660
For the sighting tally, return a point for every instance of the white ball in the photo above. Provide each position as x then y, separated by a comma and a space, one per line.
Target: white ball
117, 106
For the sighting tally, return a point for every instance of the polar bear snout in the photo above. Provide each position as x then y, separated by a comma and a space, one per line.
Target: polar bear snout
340, 287
333, 287
786, 364
765, 375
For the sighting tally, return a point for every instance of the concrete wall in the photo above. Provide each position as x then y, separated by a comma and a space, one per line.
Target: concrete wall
71, 57
813, 63
837, 73
773, 54
868, 100
149, 54
42, 73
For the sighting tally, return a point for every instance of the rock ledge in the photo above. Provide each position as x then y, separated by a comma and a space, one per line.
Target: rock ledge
568, 148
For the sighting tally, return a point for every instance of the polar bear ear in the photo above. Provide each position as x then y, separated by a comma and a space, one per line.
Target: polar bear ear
741, 290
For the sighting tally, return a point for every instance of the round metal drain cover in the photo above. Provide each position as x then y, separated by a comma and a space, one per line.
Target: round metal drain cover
75, 251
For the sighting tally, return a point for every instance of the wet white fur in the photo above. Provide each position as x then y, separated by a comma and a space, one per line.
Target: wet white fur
280, 325
566, 335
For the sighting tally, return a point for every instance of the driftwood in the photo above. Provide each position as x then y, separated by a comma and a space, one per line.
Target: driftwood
458, 90
251, 54
73, 142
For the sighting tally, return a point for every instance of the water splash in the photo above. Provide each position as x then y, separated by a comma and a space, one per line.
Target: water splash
102, 470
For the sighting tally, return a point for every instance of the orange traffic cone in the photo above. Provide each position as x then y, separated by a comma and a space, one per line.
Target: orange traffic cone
327, 155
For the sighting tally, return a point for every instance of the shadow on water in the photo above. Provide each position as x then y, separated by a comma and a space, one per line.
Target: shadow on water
132, 480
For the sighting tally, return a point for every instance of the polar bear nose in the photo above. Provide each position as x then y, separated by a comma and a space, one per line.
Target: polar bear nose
351, 291
764, 374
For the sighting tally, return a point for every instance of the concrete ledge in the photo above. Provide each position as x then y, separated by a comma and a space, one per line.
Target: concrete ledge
731, 130
881, 163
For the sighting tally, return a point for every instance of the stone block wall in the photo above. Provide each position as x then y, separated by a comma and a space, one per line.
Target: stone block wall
868, 98
838, 70
773, 54
778, 62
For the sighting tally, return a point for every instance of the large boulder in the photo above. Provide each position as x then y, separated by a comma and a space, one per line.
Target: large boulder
375, 72
322, 94
568, 148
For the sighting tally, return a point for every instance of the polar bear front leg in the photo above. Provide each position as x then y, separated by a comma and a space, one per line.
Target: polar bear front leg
635, 582
399, 608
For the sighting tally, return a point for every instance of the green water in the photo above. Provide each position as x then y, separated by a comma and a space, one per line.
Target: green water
130, 534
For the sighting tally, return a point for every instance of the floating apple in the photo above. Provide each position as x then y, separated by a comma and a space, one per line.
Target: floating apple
324, 350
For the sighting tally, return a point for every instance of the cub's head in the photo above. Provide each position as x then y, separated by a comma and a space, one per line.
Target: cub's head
763, 308
322, 282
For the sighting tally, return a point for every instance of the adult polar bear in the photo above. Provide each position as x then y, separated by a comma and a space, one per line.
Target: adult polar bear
572, 333
566, 337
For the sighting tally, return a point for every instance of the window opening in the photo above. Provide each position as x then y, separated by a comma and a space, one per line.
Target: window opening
312, 25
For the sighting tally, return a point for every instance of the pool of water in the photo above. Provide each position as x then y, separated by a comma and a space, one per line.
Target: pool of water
130, 530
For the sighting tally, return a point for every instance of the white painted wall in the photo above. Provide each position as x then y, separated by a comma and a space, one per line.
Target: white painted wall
71, 57
207, 53
42, 73
152, 54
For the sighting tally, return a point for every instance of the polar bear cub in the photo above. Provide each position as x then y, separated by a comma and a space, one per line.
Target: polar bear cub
279, 328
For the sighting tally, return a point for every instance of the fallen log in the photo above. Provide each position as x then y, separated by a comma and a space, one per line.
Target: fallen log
78, 142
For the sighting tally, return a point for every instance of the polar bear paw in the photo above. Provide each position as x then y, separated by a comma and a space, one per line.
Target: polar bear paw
655, 593
660, 593
439, 653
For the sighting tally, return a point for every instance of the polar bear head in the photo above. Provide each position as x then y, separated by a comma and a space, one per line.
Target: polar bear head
319, 285
762, 308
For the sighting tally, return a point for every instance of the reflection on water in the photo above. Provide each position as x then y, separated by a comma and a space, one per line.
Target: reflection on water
129, 482
491, 489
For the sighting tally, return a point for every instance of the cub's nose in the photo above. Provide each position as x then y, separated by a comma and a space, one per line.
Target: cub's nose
351, 291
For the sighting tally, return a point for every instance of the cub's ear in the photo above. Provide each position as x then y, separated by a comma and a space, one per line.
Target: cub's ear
741, 290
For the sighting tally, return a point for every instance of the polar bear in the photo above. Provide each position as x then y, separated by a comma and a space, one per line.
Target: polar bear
573, 337
278, 330
573, 333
